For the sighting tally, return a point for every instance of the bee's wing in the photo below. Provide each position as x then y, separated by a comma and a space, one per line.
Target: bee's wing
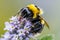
44, 22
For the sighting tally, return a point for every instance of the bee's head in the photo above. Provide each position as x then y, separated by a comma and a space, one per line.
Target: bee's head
25, 12
30, 11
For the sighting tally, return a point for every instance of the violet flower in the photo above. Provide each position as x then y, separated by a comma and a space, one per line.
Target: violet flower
17, 30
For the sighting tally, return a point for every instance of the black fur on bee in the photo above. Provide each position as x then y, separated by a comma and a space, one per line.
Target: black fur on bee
38, 26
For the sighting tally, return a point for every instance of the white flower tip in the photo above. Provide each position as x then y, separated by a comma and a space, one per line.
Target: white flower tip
13, 18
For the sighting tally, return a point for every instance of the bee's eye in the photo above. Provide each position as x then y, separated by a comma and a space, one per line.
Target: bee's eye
23, 12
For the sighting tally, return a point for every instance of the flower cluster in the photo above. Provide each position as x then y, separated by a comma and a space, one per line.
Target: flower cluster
17, 29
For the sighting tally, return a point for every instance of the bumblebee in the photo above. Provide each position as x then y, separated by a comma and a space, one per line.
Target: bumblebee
33, 14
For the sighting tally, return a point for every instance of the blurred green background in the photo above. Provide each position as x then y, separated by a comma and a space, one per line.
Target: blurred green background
51, 14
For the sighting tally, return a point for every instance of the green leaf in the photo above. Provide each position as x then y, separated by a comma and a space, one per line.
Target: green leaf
47, 37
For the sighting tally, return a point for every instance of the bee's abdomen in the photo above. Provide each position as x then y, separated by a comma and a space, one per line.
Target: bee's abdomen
37, 27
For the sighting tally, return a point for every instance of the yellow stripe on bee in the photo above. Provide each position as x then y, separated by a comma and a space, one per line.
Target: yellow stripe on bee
34, 9
41, 12
42, 21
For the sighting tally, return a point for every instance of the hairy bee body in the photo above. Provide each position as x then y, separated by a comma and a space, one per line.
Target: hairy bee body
37, 27
31, 13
